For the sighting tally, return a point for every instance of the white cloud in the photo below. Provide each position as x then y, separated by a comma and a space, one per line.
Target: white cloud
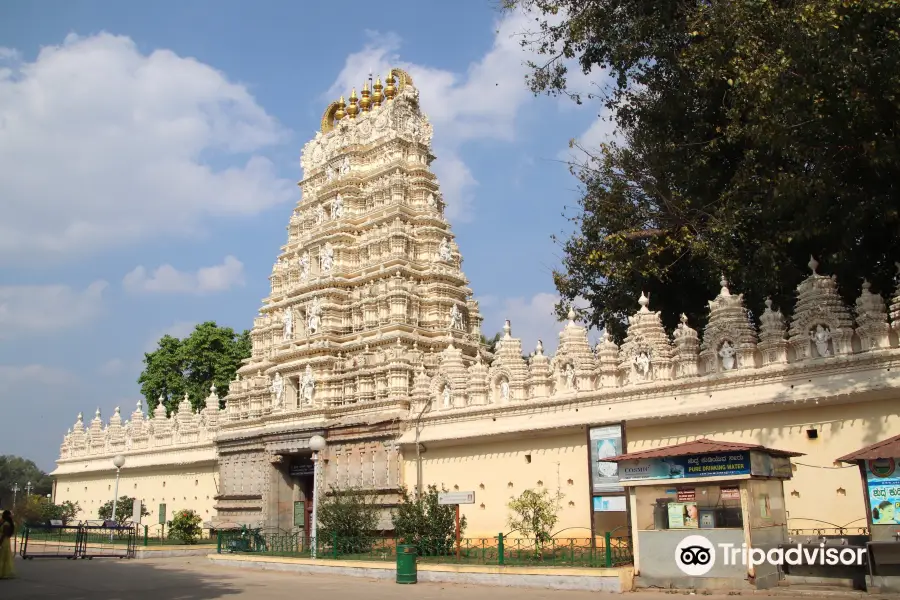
180, 330
483, 103
47, 308
168, 279
103, 145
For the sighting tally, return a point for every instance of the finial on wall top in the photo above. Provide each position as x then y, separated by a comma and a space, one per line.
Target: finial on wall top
644, 301
813, 264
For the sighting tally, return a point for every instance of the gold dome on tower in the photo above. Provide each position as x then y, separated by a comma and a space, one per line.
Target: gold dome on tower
377, 96
371, 97
353, 109
365, 103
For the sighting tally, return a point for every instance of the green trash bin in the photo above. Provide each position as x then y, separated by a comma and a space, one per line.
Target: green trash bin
406, 564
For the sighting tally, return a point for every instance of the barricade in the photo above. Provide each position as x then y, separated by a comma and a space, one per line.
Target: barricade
78, 541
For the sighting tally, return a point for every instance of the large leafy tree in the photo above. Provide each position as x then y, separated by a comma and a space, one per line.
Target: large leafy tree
209, 355
750, 135
15, 470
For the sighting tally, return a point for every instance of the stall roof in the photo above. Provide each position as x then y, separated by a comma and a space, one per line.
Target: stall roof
701, 446
889, 448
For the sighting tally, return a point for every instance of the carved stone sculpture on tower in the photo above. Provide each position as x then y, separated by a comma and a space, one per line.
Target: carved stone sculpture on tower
345, 166
687, 348
646, 353
772, 345
307, 387
320, 214
278, 388
288, 324
871, 320
313, 316
444, 252
326, 260
504, 390
456, 318
337, 207
431, 201
446, 394
729, 339
303, 263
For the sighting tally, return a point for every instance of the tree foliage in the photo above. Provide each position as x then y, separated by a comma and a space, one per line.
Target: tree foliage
350, 516
124, 510
534, 515
15, 470
186, 525
750, 135
421, 521
209, 355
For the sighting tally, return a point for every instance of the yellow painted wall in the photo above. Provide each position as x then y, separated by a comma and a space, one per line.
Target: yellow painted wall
821, 494
499, 470
178, 487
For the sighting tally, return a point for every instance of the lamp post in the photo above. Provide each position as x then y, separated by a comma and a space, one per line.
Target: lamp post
27, 490
316, 444
118, 462
15, 489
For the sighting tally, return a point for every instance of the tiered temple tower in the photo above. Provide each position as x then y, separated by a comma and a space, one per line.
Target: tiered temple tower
367, 291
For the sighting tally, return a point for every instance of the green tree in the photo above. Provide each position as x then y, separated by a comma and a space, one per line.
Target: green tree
349, 516
124, 510
209, 355
534, 515
15, 470
491, 343
186, 525
751, 135
421, 521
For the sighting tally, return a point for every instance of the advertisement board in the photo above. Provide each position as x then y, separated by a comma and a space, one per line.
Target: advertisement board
605, 441
720, 464
883, 484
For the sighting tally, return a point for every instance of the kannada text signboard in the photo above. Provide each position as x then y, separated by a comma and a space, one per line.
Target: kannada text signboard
883, 484
721, 464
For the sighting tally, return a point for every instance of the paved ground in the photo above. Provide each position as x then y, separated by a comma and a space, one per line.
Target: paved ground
195, 578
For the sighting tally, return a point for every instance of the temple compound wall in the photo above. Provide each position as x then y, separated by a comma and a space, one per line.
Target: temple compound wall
371, 338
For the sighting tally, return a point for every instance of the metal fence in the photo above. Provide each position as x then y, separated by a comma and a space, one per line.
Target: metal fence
608, 551
159, 535
77, 541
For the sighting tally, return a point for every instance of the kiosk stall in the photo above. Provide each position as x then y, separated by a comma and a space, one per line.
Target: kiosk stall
698, 508
879, 469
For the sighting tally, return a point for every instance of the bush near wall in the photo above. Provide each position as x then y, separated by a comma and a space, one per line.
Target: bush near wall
186, 525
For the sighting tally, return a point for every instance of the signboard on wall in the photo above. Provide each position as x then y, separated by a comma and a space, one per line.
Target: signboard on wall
605, 442
609, 504
162, 514
300, 514
449, 498
883, 484
720, 464
137, 505
302, 467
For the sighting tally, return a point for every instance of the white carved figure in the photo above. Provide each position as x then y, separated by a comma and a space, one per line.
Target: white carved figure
444, 252
278, 388
326, 259
287, 321
329, 174
820, 337
727, 355
446, 395
307, 386
320, 214
337, 208
456, 320
539, 349
345, 166
432, 202
570, 377
504, 389
313, 318
642, 365
303, 262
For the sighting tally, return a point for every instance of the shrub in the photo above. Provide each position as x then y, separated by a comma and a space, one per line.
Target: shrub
421, 521
349, 518
185, 526
124, 510
535, 514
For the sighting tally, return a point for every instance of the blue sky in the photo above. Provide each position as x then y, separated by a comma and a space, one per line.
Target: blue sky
148, 160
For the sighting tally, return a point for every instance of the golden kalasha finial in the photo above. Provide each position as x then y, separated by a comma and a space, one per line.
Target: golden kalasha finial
365, 103
353, 109
377, 97
390, 91
341, 111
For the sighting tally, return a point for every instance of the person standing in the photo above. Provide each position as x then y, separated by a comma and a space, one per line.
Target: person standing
7, 531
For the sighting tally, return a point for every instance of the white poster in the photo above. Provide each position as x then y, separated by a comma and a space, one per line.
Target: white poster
605, 442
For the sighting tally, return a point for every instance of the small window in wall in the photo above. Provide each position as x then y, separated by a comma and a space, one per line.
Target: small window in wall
528, 458
196, 482
164, 484
812, 434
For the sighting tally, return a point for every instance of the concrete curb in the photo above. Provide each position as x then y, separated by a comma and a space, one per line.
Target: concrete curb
615, 580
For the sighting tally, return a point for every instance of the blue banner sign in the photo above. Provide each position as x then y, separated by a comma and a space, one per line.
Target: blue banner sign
883, 483
721, 464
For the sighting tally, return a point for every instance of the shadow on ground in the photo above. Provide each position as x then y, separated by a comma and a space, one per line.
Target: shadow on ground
114, 579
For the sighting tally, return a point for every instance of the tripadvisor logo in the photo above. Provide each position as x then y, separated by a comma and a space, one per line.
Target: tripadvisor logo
695, 555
